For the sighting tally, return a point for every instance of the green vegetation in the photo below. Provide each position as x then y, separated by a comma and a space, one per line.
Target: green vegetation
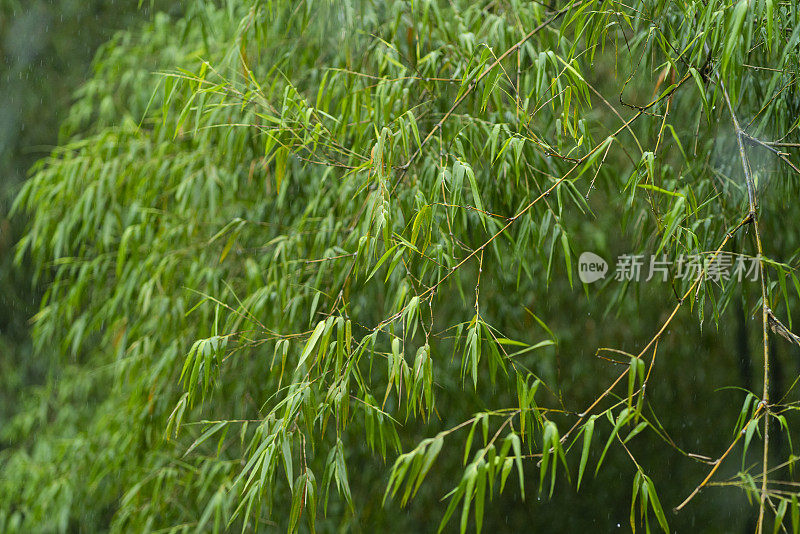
314, 266
46, 48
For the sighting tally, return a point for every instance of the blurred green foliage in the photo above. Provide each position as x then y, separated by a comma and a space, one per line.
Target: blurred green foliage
47, 49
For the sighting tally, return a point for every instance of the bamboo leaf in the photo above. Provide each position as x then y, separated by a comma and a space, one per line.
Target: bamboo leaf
588, 431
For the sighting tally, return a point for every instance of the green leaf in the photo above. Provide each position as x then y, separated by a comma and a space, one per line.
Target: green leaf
287, 458
782, 507
469, 476
641, 426
422, 217
517, 447
701, 88
476, 195
672, 221
311, 343
206, 435
431, 453
468, 443
567, 256
480, 493
298, 496
734, 33
623, 418
656, 504
414, 127
588, 431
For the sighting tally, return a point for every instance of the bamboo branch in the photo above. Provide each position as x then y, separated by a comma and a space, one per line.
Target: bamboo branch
751, 193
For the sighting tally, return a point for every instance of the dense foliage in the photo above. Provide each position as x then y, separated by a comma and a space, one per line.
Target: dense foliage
314, 266
46, 48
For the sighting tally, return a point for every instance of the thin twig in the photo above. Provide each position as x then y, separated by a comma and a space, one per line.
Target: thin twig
751, 193
719, 461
